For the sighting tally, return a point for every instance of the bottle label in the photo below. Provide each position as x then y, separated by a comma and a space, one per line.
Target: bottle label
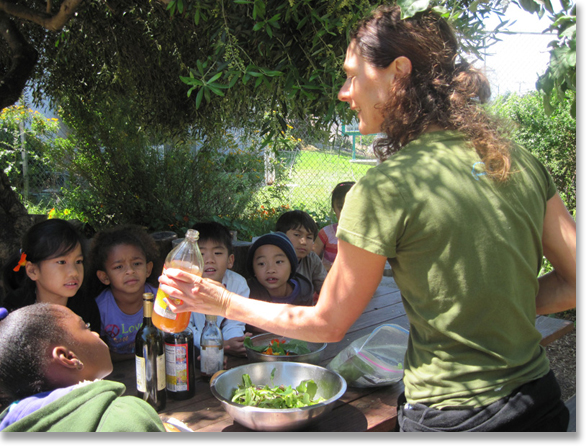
177, 367
161, 307
212, 359
141, 373
161, 378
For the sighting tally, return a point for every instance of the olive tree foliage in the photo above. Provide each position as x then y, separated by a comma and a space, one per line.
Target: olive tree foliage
202, 65
559, 80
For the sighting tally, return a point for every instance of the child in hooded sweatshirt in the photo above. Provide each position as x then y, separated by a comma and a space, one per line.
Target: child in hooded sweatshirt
51, 370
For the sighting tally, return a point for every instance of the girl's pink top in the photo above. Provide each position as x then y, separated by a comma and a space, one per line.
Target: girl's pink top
328, 237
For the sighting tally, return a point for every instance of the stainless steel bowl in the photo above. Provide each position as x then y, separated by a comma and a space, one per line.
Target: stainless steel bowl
317, 349
330, 385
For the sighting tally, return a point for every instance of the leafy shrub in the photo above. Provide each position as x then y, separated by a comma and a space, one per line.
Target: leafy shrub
21, 127
552, 139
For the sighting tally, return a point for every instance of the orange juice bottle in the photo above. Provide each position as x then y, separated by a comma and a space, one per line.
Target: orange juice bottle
187, 257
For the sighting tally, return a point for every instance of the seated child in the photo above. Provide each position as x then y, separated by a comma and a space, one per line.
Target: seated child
272, 263
215, 244
51, 377
302, 232
122, 260
50, 268
326, 245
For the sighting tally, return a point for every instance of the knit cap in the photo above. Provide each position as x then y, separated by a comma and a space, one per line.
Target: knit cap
278, 239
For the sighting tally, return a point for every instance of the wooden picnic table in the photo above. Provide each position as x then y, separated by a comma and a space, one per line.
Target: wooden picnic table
359, 410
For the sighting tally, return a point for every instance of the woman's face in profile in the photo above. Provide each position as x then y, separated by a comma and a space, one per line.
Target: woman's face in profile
366, 89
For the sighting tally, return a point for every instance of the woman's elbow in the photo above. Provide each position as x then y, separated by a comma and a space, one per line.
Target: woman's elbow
333, 334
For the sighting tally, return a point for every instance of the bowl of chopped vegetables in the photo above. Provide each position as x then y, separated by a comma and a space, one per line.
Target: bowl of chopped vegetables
268, 347
277, 396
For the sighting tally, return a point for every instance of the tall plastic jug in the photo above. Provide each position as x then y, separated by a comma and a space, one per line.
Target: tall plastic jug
187, 257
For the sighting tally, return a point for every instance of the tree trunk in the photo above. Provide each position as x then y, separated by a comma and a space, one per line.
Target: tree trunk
14, 220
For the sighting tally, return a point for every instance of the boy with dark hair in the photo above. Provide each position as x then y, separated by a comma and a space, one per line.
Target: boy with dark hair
302, 231
215, 244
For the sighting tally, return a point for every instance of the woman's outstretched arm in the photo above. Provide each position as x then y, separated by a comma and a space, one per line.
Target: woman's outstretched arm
348, 288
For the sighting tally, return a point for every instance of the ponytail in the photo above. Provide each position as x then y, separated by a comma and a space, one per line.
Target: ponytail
442, 89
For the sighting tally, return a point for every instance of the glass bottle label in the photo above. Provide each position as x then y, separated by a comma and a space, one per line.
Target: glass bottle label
177, 358
161, 378
141, 373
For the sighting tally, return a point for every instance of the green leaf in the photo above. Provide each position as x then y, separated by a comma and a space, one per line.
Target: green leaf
215, 77
411, 7
198, 98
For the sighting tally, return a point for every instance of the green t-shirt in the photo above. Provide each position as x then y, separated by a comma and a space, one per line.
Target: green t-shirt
465, 252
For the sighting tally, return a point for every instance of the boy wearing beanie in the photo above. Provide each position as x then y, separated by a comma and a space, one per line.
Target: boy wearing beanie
272, 263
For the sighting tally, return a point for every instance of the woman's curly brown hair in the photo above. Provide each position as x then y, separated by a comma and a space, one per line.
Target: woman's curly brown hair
441, 90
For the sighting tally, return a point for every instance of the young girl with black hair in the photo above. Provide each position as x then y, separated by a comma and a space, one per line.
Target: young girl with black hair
50, 268
51, 370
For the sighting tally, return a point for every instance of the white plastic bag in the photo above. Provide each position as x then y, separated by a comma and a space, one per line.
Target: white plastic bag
373, 360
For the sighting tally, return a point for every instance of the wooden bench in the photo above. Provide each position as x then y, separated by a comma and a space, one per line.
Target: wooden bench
552, 328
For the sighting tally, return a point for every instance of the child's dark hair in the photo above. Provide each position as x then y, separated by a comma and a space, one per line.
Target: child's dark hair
104, 241
44, 240
25, 336
341, 190
217, 232
295, 220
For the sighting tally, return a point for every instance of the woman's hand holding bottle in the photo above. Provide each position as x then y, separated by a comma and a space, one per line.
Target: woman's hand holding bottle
197, 294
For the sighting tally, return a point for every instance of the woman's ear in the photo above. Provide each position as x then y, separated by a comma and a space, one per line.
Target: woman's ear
403, 66
103, 277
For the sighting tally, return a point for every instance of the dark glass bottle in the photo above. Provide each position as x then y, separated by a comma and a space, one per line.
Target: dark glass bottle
180, 365
149, 348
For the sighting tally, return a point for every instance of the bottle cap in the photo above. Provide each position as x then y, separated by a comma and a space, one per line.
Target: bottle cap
192, 234
148, 296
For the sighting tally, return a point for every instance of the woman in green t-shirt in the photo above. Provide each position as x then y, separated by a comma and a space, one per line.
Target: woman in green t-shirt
463, 216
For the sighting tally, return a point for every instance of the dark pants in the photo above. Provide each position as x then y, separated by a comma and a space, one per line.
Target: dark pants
532, 407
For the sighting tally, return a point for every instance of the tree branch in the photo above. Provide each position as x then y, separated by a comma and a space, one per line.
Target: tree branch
51, 22
24, 59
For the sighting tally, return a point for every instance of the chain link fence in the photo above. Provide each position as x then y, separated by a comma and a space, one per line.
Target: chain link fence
316, 164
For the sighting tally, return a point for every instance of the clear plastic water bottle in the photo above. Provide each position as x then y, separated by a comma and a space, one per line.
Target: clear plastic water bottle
185, 256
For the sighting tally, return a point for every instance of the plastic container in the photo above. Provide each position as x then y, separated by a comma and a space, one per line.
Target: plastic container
373, 360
